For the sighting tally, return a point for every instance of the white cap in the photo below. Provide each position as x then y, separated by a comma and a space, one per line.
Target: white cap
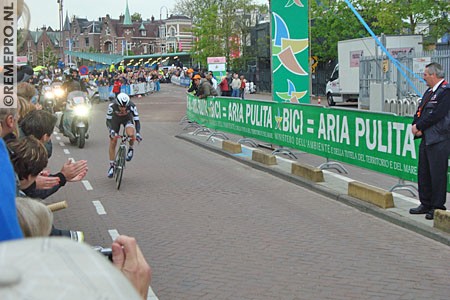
58, 268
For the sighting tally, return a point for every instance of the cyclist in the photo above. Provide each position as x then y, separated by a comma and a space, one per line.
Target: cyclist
123, 112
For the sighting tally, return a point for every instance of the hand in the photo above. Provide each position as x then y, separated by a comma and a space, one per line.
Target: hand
71, 170
138, 137
79, 177
112, 133
415, 131
128, 258
44, 182
45, 172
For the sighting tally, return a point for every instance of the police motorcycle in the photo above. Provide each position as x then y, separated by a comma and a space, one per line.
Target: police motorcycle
75, 120
46, 97
92, 90
58, 94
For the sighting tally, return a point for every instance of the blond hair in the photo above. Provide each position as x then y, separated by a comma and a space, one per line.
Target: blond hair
26, 90
35, 218
24, 107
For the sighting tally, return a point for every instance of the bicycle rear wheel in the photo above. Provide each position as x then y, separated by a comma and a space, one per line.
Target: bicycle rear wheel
119, 166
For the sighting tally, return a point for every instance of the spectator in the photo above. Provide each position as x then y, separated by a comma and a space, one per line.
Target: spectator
74, 265
9, 224
28, 92
204, 88
242, 89
40, 125
117, 86
235, 85
29, 158
24, 107
432, 124
35, 218
224, 87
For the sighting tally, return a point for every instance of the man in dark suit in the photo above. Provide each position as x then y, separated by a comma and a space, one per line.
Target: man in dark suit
432, 124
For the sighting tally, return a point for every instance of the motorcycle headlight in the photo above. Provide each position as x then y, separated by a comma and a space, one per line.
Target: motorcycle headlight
48, 95
81, 110
59, 92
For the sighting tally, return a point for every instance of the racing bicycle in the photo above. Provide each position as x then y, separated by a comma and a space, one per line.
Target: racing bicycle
119, 162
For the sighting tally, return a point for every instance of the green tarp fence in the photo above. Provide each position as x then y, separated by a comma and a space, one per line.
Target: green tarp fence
377, 141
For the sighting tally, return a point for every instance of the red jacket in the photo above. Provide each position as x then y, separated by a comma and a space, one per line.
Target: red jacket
224, 85
116, 87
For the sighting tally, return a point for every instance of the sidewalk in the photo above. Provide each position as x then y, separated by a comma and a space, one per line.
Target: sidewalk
335, 185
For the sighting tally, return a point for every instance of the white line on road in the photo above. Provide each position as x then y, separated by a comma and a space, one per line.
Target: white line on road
55, 133
87, 185
58, 138
62, 144
72, 159
99, 207
66, 151
113, 233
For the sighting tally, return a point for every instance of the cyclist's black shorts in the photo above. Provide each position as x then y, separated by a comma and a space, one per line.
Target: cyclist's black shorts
126, 121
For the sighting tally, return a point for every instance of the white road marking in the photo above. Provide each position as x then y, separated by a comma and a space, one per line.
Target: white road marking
72, 159
99, 207
62, 144
58, 138
55, 133
66, 151
113, 233
87, 185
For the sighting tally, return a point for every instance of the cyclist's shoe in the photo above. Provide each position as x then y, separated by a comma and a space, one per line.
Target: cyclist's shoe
111, 171
130, 154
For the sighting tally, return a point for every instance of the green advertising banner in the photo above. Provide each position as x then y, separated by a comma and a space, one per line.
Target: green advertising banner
376, 141
290, 51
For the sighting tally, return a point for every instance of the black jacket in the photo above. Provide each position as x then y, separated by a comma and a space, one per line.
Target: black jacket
433, 115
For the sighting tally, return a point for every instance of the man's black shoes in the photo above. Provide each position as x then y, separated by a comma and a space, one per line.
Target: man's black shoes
430, 215
419, 210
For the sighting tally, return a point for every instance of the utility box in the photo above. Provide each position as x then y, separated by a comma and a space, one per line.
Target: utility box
377, 100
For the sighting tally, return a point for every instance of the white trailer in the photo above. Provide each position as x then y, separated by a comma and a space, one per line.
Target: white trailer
343, 85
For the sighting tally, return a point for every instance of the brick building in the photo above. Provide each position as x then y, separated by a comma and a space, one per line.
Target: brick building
106, 35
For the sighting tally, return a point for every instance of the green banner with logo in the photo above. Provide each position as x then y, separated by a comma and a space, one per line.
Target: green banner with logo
290, 51
377, 141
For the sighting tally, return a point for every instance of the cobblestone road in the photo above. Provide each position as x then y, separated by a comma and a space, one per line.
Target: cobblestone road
213, 228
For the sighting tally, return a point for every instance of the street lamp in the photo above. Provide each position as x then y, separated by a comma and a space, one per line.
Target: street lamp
161, 26
61, 42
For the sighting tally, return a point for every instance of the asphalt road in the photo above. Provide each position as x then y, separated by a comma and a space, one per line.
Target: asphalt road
213, 228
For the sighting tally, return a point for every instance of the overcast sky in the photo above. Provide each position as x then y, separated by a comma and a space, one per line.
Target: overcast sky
45, 12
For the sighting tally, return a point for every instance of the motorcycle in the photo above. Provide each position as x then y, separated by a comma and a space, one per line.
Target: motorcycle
59, 94
47, 99
75, 119
92, 90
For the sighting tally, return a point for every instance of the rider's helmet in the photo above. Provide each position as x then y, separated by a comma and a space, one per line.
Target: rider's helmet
123, 99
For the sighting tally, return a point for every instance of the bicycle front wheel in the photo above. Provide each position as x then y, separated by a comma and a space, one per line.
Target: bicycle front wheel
119, 166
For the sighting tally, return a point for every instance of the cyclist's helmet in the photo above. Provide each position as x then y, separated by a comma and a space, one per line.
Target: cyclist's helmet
123, 99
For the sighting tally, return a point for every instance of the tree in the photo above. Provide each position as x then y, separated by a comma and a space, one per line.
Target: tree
48, 57
332, 21
219, 26
136, 17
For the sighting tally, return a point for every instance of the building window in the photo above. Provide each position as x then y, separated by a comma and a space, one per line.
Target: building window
162, 31
172, 31
86, 42
143, 32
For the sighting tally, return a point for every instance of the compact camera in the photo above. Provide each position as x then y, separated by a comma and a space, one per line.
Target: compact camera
105, 251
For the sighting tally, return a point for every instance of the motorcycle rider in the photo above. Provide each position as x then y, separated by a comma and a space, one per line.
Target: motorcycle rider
122, 112
71, 84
